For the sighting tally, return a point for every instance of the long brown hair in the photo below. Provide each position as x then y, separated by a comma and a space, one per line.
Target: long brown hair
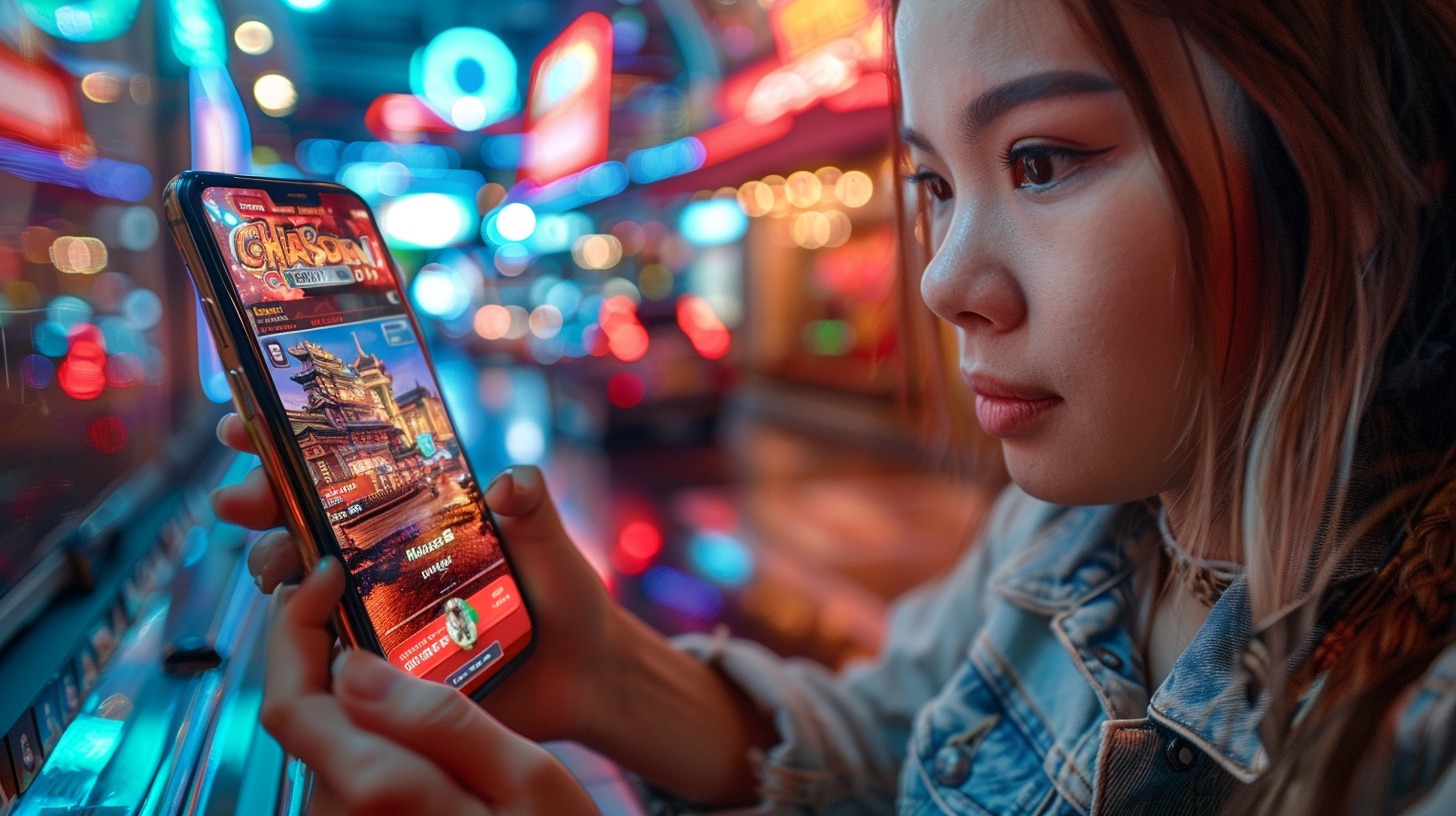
1346, 424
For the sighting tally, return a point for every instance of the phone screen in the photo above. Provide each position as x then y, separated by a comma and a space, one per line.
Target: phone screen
366, 417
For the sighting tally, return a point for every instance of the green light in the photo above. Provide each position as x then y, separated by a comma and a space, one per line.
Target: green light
832, 338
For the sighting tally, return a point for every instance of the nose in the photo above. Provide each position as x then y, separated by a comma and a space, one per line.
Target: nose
971, 281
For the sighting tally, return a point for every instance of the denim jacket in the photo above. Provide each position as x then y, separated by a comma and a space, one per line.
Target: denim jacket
1013, 686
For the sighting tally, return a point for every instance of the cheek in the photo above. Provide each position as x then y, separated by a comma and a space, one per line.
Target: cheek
1116, 332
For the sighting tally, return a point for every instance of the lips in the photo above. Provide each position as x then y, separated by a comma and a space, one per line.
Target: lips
1007, 409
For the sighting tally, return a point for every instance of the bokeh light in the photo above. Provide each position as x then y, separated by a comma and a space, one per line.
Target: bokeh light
78, 255
545, 321
142, 309
253, 37
597, 251
492, 321
516, 221
102, 87
625, 389
106, 434
276, 95
803, 189
854, 189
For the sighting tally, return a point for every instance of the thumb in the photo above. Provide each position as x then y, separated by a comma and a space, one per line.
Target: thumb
527, 518
448, 729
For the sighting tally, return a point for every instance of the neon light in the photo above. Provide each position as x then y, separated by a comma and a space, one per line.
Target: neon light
120, 180
199, 38
739, 136
682, 593
516, 222
468, 76
712, 222
526, 441
81, 20
309, 6
592, 184
722, 559
426, 220
665, 161
439, 291
570, 101
800, 26
37, 105
221, 140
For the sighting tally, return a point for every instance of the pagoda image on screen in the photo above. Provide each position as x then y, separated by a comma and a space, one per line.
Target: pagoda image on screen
405, 510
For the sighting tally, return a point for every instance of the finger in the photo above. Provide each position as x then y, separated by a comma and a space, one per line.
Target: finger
431, 718
274, 559
385, 779
232, 432
301, 640
444, 726
249, 503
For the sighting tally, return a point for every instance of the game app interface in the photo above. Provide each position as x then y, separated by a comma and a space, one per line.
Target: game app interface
367, 418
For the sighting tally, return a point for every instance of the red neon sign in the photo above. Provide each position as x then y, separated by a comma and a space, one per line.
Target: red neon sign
569, 102
37, 106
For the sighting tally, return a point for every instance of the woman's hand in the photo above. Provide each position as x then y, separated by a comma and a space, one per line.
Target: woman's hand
551, 696
382, 742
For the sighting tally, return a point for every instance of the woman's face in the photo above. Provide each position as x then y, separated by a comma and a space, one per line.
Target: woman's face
1058, 247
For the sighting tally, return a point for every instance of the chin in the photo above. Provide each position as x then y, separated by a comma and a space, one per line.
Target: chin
1066, 481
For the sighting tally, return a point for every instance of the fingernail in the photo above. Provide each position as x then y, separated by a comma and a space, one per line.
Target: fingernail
220, 423
258, 582
501, 486
367, 678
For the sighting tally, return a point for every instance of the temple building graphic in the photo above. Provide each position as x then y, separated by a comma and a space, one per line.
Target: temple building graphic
353, 431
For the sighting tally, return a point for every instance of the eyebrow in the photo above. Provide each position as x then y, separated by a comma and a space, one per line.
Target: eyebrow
984, 110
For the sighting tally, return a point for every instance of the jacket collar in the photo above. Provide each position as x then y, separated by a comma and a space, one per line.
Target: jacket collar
1073, 554
1069, 556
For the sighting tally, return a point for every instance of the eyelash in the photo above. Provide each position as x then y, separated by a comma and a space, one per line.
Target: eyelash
1013, 158
1010, 160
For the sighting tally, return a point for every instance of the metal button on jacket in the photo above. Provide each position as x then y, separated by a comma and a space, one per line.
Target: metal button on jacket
1108, 658
1181, 755
952, 765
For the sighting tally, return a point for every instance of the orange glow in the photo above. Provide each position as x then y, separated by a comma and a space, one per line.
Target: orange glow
800, 26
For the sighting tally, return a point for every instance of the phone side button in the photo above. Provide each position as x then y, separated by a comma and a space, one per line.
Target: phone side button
245, 401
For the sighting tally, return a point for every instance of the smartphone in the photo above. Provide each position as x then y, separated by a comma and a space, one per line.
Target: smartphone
328, 372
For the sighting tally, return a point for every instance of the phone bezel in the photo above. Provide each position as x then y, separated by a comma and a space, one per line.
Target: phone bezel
183, 199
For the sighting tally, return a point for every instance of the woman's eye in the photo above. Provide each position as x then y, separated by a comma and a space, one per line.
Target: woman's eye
1037, 167
934, 184
1034, 169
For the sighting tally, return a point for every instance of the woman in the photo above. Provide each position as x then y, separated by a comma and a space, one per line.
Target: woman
1199, 261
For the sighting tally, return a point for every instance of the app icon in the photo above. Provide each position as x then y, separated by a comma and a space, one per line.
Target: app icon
276, 355
397, 332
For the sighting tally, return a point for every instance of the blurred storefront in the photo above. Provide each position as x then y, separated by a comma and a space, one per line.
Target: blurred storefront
653, 242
